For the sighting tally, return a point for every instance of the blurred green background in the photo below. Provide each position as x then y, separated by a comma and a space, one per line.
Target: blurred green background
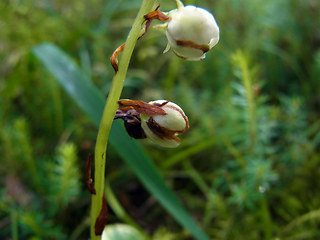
249, 166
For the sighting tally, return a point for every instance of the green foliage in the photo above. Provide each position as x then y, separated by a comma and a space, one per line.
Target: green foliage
248, 168
65, 175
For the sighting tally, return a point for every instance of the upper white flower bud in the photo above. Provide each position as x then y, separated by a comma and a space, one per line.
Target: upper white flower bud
191, 32
163, 129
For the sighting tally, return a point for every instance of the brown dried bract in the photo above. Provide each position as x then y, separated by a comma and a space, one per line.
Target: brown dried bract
142, 107
154, 15
148, 17
114, 57
89, 182
102, 218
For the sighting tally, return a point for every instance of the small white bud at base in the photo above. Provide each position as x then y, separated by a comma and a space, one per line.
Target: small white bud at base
191, 32
163, 129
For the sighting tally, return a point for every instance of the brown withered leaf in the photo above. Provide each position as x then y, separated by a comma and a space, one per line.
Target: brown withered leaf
143, 107
102, 218
156, 15
151, 16
114, 57
148, 17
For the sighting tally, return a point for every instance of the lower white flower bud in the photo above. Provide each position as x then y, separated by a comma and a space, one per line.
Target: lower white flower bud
163, 129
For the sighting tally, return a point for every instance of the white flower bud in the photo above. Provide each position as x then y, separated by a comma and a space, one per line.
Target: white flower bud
191, 32
163, 129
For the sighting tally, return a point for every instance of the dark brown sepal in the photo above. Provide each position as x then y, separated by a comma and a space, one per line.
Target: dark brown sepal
134, 129
102, 218
132, 122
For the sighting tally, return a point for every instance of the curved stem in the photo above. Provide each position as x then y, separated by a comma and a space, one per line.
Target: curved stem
109, 112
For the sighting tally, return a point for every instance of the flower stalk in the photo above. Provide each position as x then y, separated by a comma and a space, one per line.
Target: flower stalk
109, 112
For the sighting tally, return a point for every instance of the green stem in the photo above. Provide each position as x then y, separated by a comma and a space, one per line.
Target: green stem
109, 112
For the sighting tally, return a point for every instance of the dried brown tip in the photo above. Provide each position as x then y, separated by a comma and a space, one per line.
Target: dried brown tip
89, 181
143, 107
162, 132
102, 218
154, 15
114, 57
184, 43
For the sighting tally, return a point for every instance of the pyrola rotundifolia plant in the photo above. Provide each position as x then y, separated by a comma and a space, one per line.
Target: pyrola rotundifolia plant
191, 32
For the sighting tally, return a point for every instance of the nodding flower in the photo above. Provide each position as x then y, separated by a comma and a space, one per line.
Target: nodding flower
191, 32
160, 121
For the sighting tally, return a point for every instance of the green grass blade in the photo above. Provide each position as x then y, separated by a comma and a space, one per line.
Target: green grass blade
91, 101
